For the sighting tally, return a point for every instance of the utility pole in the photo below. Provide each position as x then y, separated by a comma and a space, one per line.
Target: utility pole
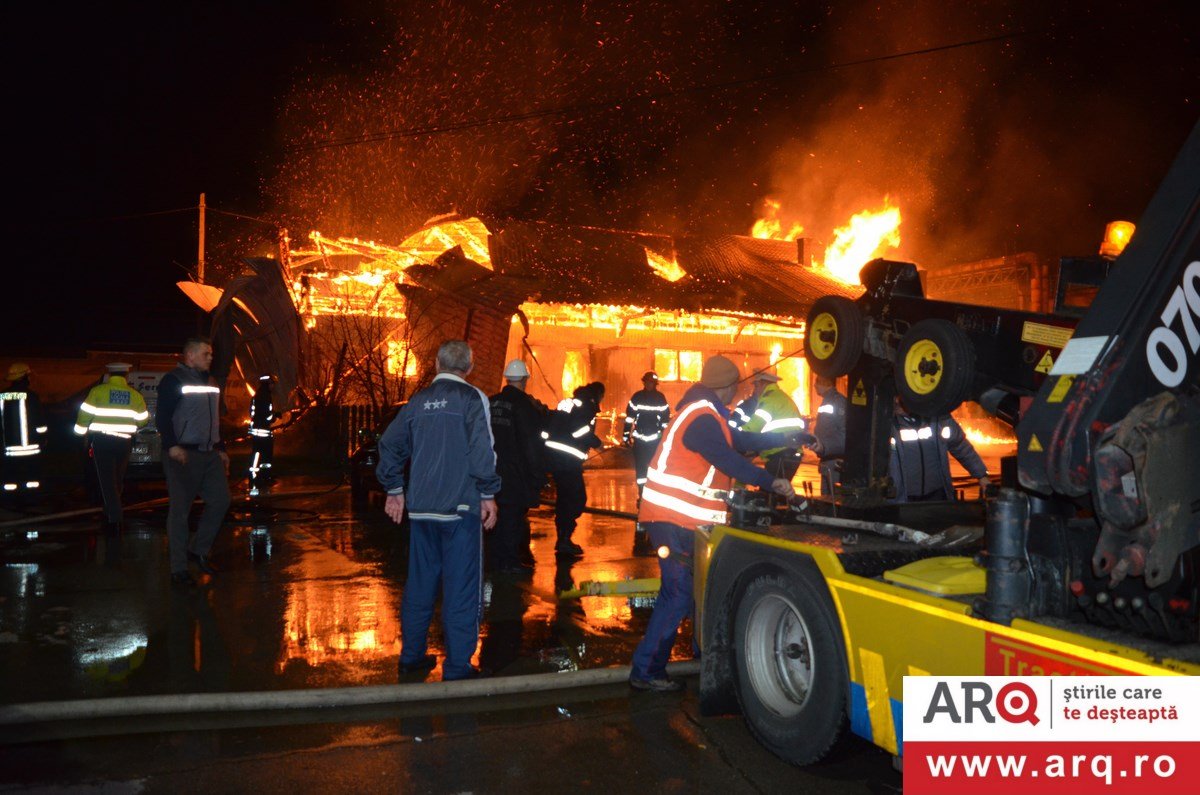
200, 253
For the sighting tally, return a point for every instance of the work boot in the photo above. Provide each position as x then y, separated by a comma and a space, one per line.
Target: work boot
425, 663
182, 579
472, 673
568, 549
664, 685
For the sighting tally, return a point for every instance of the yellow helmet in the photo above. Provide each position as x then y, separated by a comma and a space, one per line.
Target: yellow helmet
18, 370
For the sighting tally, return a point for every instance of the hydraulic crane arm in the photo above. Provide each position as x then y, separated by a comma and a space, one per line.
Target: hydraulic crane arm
1140, 337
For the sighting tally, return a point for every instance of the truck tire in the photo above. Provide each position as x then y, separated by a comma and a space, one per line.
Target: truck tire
934, 368
790, 663
834, 335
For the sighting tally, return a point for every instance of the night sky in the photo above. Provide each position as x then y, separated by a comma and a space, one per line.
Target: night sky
365, 118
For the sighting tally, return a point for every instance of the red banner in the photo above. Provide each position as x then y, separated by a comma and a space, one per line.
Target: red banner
1051, 768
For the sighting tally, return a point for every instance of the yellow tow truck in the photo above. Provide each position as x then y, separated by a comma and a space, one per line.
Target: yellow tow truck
1084, 561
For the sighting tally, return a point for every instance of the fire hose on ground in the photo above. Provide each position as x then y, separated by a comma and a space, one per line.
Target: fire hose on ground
321, 698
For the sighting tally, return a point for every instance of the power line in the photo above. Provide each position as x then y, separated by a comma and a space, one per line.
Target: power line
588, 107
274, 224
136, 216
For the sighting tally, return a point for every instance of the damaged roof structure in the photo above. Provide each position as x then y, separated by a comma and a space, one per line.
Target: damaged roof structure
577, 303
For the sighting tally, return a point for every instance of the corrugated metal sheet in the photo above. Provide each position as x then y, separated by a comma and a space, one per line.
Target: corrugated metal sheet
256, 325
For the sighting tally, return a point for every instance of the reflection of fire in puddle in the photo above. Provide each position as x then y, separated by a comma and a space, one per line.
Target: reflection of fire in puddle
336, 612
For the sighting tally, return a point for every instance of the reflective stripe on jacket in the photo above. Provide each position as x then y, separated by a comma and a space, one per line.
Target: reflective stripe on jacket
775, 413
113, 408
188, 411
20, 418
570, 433
681, 486
262, 414
646, 414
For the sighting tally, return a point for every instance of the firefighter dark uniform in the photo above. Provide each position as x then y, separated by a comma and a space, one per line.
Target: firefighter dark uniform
262, 436
920, 463
23, 429
111, 414
569, 434
830, 430
646, 414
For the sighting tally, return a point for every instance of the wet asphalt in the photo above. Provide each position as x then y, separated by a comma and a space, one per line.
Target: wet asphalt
307, 595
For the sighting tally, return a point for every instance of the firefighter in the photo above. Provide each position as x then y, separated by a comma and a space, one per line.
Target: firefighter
111, 414
920, 461
830, 430
775, 411
569, 434
262, 435
517, 423
686, 486
645, 417
23, 429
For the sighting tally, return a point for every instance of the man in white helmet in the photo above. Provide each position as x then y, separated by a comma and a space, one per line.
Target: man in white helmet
517, 424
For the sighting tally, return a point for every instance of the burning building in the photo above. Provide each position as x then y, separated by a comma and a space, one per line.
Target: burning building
577, 304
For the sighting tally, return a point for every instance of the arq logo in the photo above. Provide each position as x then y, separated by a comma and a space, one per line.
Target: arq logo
1016, 702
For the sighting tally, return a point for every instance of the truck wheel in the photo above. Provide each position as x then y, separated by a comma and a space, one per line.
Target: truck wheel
934, 368
833, 340
791, 672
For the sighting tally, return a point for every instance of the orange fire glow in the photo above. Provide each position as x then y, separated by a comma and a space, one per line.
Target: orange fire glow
574, 372
978, 438
770, 227
868, 235
664, 268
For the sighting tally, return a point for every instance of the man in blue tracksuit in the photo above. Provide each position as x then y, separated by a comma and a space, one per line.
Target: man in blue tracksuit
443, 436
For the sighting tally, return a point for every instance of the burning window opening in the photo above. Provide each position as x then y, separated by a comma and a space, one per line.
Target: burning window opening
673, 365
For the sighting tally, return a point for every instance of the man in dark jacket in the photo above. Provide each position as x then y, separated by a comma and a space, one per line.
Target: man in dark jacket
570, 433
517, 424
830, 430
188, 421
921, 450
444, 435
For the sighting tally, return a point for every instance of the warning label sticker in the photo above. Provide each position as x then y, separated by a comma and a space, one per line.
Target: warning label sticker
1042, 334
859, 396
1061, 389
1046, 362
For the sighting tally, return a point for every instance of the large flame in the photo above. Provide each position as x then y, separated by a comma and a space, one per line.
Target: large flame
769, 226
664, 268
574, 372
866, 237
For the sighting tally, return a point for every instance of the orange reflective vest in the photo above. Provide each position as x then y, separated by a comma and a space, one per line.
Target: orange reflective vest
681, 486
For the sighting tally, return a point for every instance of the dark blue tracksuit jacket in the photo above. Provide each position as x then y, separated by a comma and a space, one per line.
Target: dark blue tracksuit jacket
444, 435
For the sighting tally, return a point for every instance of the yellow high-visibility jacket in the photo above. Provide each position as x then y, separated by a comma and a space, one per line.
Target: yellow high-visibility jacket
775, 412
114, 408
